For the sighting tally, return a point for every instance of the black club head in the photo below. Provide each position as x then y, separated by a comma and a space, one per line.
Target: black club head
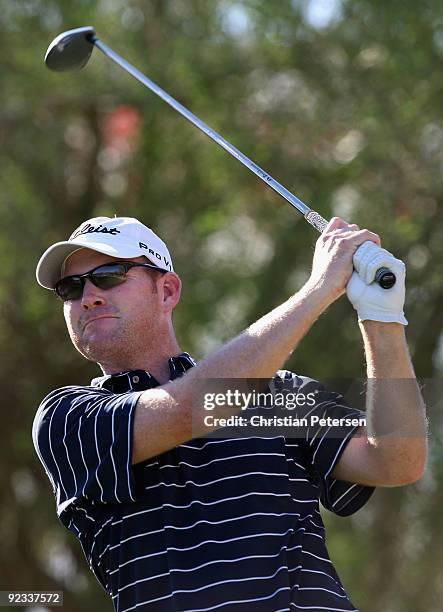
71, 49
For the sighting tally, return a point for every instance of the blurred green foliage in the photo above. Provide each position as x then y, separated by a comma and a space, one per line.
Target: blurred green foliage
346, 111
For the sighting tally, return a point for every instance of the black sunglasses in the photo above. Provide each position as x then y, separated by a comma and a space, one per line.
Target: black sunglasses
105, 276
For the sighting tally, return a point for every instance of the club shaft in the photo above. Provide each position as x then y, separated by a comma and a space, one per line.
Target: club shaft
384, 277
201, 125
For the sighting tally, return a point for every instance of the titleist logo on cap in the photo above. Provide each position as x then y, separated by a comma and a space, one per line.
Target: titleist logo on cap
90, 229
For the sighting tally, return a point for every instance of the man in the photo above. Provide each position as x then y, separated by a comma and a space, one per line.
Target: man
170, 518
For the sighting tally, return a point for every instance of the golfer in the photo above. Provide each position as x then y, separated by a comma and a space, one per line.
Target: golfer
171, 518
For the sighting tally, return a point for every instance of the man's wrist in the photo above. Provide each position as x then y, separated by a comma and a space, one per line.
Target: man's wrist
381, 317
382, 327
316, 290
382, 335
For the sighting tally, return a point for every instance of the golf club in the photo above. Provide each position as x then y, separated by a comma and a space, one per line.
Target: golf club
72, 49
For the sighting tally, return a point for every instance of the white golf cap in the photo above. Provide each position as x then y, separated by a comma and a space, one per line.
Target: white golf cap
121, 237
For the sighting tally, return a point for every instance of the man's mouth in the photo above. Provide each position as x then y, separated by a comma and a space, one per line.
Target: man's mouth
97, 318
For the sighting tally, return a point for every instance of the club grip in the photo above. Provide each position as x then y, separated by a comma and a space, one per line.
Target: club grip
385, 278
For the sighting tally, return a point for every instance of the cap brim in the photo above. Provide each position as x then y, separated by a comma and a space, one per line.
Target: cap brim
49, 266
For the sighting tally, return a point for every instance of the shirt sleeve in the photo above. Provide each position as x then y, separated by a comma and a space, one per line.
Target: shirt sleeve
83, 438
323, 445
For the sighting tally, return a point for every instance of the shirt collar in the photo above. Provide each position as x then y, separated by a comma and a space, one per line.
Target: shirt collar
140, 380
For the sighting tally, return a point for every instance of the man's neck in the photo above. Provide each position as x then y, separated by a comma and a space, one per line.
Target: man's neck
157, 365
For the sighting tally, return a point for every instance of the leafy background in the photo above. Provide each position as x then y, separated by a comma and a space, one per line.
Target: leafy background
341, 101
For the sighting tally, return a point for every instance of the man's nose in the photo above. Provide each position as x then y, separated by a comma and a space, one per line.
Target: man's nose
92, 296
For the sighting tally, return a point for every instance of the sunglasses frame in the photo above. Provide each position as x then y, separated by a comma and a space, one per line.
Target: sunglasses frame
127, 265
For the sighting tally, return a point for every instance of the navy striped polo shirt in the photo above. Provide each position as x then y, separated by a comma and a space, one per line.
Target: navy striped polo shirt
230, 525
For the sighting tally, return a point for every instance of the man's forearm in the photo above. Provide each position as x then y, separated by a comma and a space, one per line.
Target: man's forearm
395, 409
173, 414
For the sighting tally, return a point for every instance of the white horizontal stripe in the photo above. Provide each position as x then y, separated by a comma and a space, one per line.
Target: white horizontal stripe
322, 527
320, 589
240, 601
212, 584
306, 552
137, 535
222, 459
138, 581
156, 554
316, 535
142, 603
156, 486
245, 537
308, 571
197, 567
207, 586
126, 516
294, 547
193, 569
221, 501
210, 482
235, 518
293, 569
228, 440
323, 608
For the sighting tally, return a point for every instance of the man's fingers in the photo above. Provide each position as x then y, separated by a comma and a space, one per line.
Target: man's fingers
336, 223
363, 235
349, 236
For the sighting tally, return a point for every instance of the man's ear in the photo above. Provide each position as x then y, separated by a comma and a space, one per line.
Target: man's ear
170, 287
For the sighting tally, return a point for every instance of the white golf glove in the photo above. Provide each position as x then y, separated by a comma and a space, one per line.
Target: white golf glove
369, 300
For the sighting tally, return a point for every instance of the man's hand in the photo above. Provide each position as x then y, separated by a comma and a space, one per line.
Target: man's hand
333, 258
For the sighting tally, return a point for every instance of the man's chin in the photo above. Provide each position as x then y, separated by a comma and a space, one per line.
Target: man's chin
94, 351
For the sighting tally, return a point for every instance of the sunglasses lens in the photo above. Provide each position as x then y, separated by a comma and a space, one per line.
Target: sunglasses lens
108, 276
103, 277
69, 288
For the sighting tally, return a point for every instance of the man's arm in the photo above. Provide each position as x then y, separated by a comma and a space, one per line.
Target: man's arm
392, 449
174, 413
